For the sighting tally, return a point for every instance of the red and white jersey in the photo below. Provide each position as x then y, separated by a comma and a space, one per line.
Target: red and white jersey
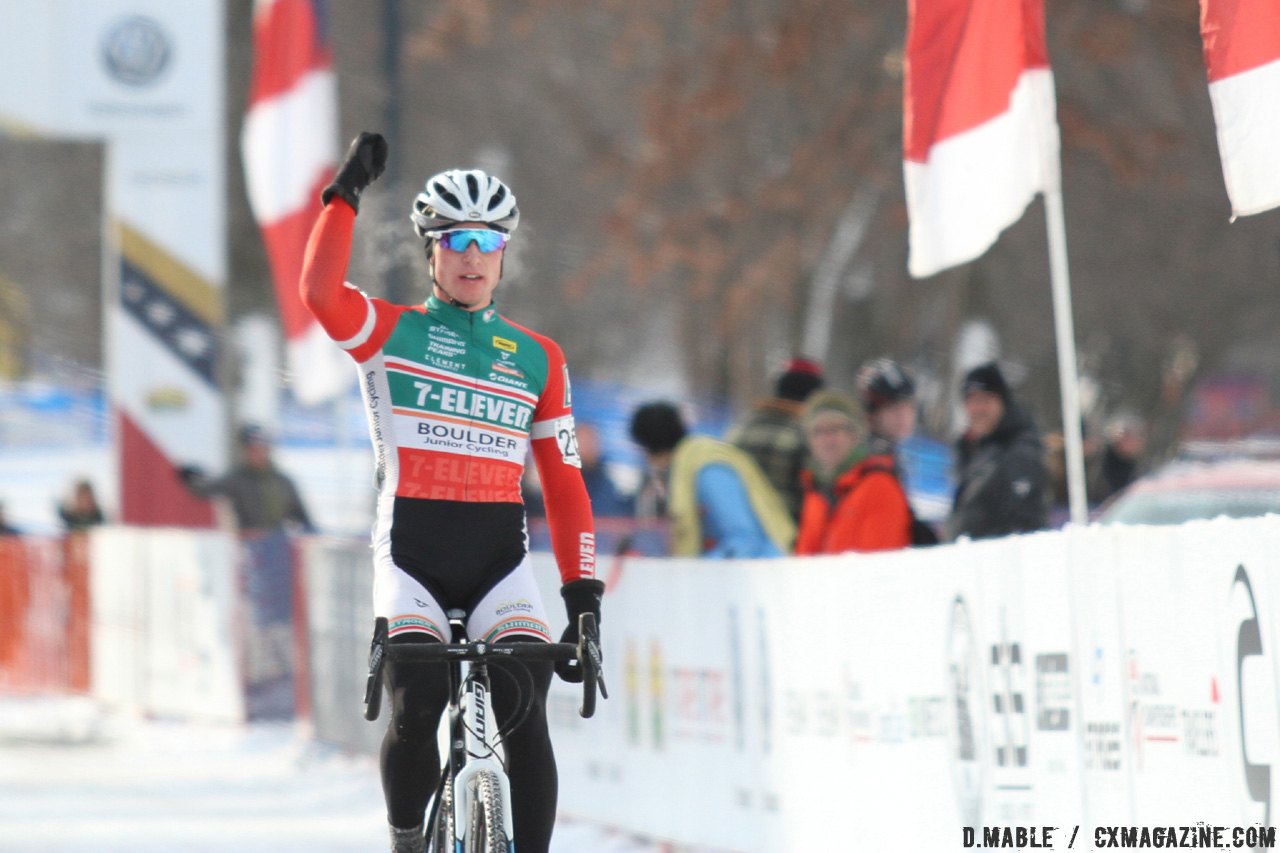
455, 401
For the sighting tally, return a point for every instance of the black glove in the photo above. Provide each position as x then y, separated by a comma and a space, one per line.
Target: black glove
580, 596
366, 159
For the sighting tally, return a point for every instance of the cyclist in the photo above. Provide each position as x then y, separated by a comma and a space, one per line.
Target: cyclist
455, 394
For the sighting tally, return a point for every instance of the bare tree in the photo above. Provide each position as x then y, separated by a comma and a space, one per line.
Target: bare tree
683, 167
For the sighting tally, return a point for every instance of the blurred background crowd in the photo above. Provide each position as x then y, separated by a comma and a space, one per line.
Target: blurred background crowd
708, 189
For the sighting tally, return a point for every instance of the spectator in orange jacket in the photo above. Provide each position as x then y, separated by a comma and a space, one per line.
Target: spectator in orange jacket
853, 500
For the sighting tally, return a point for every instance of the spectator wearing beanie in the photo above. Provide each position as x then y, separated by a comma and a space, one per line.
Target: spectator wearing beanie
1002, 481
888, 395
719, 503
853, 500
771, 433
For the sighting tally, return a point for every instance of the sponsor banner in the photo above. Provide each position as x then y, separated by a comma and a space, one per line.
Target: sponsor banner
136, 74
1201, 677
1096, 554
44, 614
1095, 676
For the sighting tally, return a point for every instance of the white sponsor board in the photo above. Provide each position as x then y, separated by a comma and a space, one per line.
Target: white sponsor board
1092, 677
163, 604
146, 78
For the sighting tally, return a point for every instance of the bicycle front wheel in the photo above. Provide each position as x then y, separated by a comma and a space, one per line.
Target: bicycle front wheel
440, 833
486, 833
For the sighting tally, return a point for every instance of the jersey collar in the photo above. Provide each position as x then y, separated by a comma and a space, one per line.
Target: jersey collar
453, 314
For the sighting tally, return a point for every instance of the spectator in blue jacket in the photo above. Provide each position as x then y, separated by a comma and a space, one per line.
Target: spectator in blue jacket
719, 502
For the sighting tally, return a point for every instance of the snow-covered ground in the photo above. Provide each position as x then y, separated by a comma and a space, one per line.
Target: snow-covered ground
75, 778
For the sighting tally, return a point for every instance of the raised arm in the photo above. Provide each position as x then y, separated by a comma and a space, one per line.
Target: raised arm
341, 309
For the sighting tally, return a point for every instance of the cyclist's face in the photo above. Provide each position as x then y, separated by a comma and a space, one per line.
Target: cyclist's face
469, 276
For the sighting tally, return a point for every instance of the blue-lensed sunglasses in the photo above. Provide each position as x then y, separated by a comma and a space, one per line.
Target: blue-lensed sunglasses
458, 239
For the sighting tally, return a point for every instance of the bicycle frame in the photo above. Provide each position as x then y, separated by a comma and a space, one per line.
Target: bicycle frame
470, 756
470, 752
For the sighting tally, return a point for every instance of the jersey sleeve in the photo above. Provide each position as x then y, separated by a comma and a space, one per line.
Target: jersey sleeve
555, 452
357, 323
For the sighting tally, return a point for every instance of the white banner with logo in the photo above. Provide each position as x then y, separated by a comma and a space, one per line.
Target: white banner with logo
145, 77
1095, 677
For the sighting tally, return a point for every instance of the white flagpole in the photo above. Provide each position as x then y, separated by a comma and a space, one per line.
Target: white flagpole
1067, 376
1064, 328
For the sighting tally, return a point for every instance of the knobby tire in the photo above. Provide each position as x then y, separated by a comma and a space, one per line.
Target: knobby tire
440, 833
486, 833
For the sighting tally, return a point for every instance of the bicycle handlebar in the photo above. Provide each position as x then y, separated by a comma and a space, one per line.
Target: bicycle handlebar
478, 650
586, 652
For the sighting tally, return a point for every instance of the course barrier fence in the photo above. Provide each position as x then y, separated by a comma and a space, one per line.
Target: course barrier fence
1083, 680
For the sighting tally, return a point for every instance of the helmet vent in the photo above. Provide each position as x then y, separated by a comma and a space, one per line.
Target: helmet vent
445, 194
473, 187
498, 197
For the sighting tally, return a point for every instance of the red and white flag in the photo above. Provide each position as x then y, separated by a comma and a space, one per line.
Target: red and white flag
1242, 55
980, 132
289, 145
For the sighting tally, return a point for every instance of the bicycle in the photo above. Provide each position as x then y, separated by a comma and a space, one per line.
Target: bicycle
478, 820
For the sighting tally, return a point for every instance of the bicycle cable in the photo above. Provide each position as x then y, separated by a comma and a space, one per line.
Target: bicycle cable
523, 686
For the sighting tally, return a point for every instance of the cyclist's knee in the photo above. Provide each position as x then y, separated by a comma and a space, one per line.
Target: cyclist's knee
507, 699
419, 693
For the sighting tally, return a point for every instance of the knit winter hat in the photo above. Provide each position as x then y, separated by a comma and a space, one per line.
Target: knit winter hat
834, 401
800, 378
657, 426
985, 377
882, 382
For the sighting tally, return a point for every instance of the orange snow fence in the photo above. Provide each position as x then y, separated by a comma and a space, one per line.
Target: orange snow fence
44, 614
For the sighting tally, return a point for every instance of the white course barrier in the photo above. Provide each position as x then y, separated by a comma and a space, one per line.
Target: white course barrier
1093, 677
163, 638
337, 583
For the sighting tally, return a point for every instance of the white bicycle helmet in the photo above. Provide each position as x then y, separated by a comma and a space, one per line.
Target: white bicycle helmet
461, 196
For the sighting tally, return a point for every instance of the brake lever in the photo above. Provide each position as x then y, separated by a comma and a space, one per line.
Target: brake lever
597, 662
377, 657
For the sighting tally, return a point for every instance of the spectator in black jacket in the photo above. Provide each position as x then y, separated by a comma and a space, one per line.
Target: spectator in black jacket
1120, 462
1002, 482
772, 435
